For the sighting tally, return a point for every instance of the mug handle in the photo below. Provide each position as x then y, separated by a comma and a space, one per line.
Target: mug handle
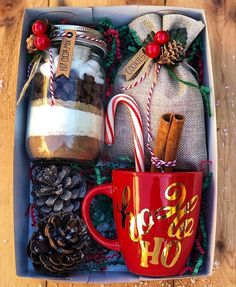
105, 189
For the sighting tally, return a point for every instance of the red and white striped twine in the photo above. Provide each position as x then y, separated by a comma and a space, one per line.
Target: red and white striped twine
154, 160
157, 70
80, 36
51, 86
29, 69
91, 39
140, 80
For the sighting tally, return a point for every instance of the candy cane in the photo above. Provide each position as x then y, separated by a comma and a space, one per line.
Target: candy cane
136, 124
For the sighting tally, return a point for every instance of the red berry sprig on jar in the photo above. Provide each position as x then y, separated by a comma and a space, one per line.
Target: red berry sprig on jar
39, 27
39, 41
42, 42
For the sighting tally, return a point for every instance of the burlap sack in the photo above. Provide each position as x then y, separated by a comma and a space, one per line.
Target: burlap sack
170, 96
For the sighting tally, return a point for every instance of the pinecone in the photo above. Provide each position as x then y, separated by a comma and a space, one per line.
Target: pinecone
171, 54
57, 189
59, 244
30, 44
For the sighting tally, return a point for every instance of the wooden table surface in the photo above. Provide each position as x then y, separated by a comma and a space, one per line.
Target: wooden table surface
221, 16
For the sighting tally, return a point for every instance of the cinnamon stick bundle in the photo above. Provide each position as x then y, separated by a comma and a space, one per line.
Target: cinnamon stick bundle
168, 138
173, 139
161, 139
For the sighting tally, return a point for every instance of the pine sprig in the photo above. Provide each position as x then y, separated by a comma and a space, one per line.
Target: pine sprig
179, 35
149, 38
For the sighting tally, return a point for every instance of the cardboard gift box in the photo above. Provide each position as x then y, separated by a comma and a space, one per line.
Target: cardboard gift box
22, 227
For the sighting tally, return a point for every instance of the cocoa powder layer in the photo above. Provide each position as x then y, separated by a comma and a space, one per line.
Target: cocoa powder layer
66, 147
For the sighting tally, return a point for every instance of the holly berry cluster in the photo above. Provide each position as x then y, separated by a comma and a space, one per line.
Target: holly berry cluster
153, 49
39, 40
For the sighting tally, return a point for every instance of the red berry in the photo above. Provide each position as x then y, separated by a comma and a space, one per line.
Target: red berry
161, 37
42, 42
39, 27
152, 50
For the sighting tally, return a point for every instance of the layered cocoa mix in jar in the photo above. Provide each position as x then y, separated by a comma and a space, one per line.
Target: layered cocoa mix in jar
72, 125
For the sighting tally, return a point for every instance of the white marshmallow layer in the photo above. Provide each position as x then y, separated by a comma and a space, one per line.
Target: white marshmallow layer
49, 120
80, 63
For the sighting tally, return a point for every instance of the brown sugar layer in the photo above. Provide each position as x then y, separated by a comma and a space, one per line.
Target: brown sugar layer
69, 104
66, 147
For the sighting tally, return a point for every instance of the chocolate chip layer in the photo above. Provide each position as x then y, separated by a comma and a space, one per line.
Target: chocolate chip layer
73, 89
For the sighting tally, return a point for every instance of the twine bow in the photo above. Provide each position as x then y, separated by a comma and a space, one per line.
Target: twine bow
33, 66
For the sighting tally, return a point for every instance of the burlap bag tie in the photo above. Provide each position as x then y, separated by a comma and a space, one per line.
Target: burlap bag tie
169, 96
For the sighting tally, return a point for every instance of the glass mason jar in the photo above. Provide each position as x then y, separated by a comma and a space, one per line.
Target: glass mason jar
73, 126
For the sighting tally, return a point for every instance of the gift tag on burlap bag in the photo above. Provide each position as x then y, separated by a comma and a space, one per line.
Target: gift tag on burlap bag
169, 96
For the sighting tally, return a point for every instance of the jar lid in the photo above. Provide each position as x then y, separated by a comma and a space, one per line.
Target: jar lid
84, 35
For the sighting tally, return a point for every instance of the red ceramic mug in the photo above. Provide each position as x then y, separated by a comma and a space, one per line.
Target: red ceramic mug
156, 218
